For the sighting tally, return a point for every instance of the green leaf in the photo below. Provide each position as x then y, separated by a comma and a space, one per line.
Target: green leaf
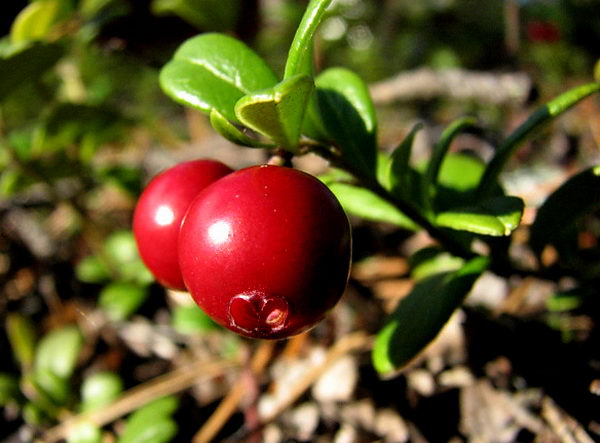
232, 133
346, 115
92, 270
192, 320
155, 431
209, 15
21, 335
9, 389
214, 71
99, 390
431, 175
277, 112
364, 203
537, 120
26, 65
597, 71
151, 423
85, 432
422, 314
54, 387
120, 248
498, 216
120, 300
399, 165
299, 61
58, 351
579, 195
433, 260
36, 20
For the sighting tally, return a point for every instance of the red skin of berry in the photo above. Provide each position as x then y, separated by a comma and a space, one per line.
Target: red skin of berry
160, 210
266, 251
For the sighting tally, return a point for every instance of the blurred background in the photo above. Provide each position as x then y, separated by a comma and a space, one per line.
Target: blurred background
84, 126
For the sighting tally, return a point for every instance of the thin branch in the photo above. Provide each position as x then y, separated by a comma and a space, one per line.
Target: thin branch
230, 402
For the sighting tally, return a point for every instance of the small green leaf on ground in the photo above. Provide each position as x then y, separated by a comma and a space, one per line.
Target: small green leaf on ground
58, 351
99, 390
422, 314
21, 335
191, 319
119, 300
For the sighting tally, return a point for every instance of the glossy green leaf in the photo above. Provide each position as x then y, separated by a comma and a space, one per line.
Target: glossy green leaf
192, 320
28, 64
120, 300
85, 432
431, 175
498, 216
399, 165
579, 195
92, 270
229, 131
422, 314
346, 115
99, 390
365, 204
21, 335
277, 112
36, 20
539, 118
120, 247
214, 71
9, 389
208, 15
299, 61
58, 351
432, 260
151, 423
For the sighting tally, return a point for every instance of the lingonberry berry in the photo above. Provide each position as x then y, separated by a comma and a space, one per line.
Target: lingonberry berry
160, 209
265, 251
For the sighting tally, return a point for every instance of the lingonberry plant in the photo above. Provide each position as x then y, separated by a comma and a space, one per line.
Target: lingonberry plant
160, 210
457, 199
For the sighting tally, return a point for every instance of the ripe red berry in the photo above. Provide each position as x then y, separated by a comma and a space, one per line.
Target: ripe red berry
160, 209
265, 251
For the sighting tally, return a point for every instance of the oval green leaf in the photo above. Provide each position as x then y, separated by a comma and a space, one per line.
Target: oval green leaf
214, 71
36, 20
498, 217
277, 112
422, 314
99, 390
120, 300
58, 351
365, 204
399, 165
344, 112
192, 320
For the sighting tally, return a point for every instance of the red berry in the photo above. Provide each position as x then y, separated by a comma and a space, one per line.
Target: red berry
160, 209
265, 251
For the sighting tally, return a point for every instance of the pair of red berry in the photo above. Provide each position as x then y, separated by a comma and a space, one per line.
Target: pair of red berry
265, 251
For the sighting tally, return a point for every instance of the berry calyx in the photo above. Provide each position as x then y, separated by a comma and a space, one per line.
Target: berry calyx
160, 210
